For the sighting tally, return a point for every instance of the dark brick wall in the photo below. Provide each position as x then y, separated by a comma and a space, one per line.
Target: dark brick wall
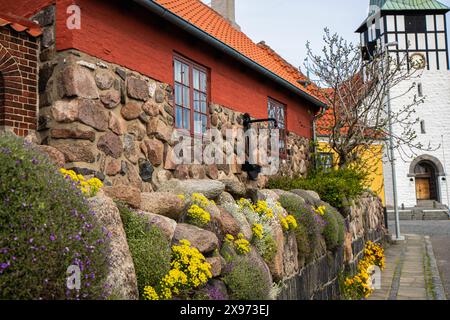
18, 84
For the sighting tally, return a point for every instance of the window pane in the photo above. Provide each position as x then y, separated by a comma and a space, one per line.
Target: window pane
177, 70
187, 119
203, 99
178, 94
179, 117
204, 123
197, 123
185, 74
196, 101
186, 98
196, 76
202, 82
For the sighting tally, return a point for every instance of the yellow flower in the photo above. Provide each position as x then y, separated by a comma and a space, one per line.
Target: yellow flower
229, 237
200, 200
284, 224
242, 246
258, 230
198, 215
150, 293
290, 219
321, 210
90, 187
182, 197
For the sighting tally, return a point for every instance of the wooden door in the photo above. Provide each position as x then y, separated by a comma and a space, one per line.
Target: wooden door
423, 189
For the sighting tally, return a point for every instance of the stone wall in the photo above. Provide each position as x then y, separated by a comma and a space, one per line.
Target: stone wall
319, 280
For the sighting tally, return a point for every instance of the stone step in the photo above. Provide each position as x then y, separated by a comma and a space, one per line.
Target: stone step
420, 215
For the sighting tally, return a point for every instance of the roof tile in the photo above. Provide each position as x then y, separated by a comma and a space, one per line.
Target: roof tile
211, 22
20, 24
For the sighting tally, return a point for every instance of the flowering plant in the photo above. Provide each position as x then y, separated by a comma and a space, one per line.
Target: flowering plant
197, 213
89, 187
320, 210
189, 270
241, 245
359, 286
46, 225
258, 231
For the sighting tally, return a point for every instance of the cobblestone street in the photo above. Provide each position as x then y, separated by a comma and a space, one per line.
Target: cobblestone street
418, 268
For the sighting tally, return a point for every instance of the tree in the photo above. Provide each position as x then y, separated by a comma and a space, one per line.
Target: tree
357, 93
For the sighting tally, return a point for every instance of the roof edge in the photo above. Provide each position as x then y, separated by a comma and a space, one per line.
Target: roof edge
388, 11
199, 33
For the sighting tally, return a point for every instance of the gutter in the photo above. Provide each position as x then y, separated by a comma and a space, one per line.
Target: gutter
202, 35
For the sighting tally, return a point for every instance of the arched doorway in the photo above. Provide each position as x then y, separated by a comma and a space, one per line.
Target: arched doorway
426, 181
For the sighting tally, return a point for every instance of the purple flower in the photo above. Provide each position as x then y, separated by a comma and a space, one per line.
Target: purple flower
3, 266
77, 237
35, 161
215, 293
5, 150
52, 237
31, 240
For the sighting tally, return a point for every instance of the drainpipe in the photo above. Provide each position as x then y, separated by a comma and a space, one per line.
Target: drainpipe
445, 173
197, 32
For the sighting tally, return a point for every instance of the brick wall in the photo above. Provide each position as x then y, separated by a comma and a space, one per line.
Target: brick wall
18, 81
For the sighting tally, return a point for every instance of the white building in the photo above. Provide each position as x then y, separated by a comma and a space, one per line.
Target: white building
419, 29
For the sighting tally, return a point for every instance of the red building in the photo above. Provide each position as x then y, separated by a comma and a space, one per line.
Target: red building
116, 77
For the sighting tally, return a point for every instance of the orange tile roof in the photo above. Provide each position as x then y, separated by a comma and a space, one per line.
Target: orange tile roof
211, 22
20, 24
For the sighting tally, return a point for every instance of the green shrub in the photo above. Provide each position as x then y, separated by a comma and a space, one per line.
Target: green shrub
335, 187
303, 246
330, 231
246, 281
334, 230
341, 227
45, 227
267, 247
309, 222
149, 248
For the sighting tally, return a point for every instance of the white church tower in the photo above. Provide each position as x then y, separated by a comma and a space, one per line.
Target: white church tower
418, 30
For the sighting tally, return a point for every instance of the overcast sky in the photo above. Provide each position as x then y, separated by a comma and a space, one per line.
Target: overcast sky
286, 25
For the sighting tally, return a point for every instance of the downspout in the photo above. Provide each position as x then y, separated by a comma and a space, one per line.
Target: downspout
314, 135
188, 27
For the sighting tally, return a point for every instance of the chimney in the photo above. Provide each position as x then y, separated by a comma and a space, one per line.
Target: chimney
227, 9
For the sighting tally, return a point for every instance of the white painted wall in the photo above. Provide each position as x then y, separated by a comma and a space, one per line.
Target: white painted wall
436, 114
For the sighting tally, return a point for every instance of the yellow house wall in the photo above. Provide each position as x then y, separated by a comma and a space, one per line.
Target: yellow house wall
373, 159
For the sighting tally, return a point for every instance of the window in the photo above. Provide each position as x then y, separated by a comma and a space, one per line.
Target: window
325, 161
277, 111
422, 127
420, 89
415, 24
191, 96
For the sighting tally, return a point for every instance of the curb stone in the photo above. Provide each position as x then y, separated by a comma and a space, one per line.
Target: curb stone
438, 288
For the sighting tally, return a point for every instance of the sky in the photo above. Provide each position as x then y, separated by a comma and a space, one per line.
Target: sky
286, 25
